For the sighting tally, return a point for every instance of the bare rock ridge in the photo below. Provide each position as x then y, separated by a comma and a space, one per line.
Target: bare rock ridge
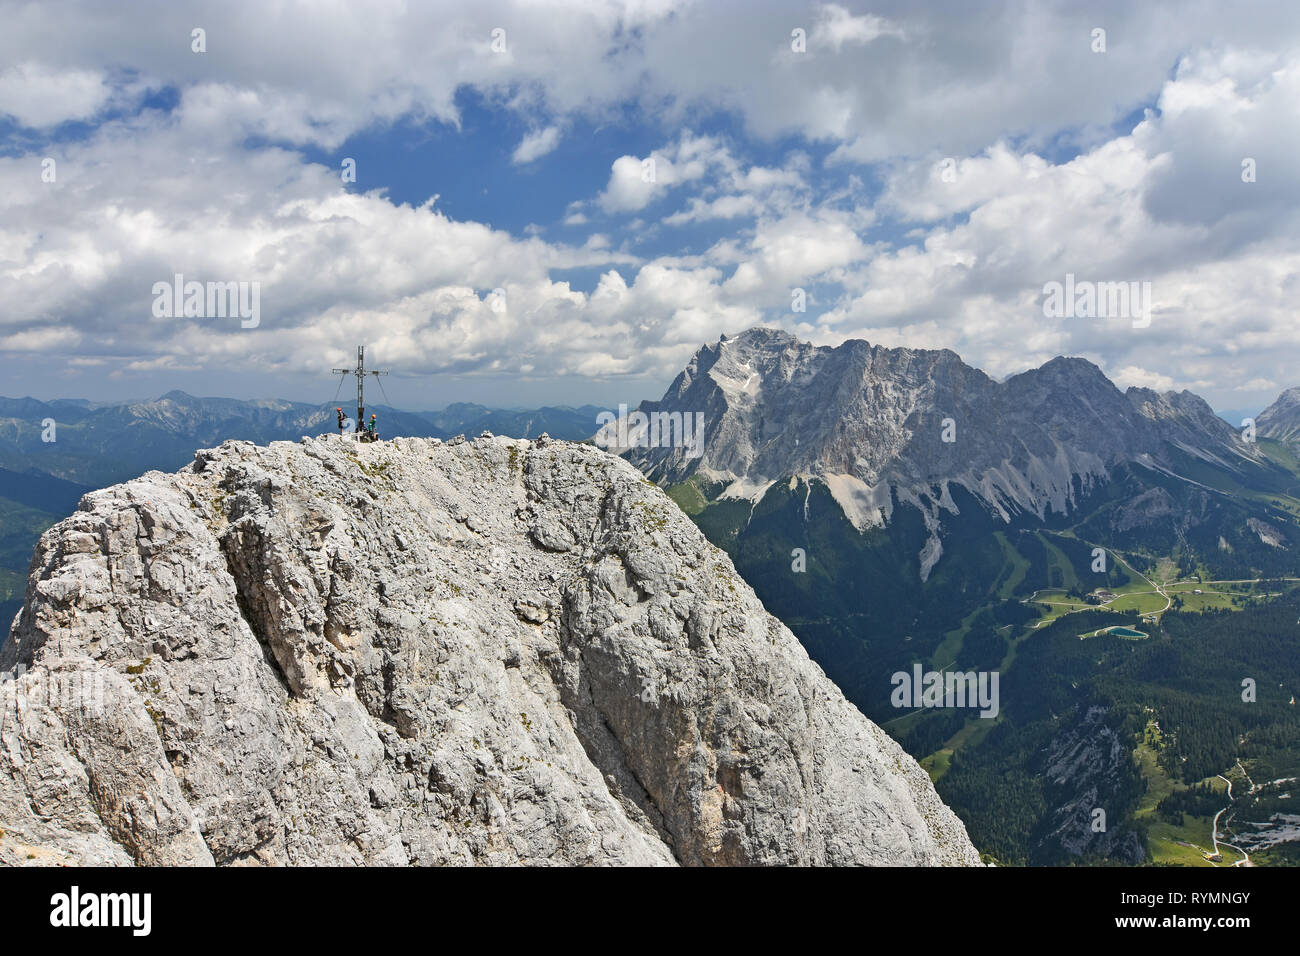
1281, 420
489, 651
883, 426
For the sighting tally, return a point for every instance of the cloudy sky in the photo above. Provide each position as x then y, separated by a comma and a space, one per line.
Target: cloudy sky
919, 170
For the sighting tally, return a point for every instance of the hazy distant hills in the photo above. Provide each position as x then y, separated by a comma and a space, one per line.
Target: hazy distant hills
572, 424
103, 444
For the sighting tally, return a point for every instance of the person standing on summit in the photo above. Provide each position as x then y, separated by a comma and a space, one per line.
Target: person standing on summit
372, 433
341, 421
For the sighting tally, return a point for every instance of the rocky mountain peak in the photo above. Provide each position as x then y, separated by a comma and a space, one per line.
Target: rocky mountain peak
880, 425
1281, 420
417, 652
1071, 371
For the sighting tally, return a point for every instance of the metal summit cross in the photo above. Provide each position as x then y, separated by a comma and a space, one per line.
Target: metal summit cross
361, 373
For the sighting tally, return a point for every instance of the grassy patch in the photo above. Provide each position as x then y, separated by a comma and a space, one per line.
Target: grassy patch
946, 653
937, 764
1280, 454
1147, 602
1019, 567
1159, 783
1169, 843
1057, 560
688, 497
1055, 604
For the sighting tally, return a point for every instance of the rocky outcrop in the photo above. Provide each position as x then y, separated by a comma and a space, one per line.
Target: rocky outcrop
411, 652
1089, 769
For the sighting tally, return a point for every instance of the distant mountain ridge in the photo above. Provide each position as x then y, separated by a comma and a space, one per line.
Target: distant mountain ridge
880, 425
101, 443
1281, 420
559, 421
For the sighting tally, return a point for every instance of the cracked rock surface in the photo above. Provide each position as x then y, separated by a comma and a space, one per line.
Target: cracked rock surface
414, 652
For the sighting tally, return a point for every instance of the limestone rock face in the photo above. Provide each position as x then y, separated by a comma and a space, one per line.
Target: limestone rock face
879, 426
410, 652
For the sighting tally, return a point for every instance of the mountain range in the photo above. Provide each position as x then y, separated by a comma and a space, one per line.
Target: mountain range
1123, 559
897, 508
1281, 420
879, 428
109, 442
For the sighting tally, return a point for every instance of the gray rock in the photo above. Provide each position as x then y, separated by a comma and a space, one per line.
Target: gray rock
877, 425
1281, 420
297, 654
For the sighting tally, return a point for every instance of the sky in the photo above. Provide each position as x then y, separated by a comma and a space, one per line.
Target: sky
558, 203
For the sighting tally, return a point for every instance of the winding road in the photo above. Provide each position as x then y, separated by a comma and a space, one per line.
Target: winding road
1245, 857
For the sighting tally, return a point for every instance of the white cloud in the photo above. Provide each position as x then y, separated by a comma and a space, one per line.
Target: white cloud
793, 250
940, 187
536, 145
736, 192
1131, 209
836, 26
905, 80
1132, 376
724, 207
634, 183
38, 95
1000, 88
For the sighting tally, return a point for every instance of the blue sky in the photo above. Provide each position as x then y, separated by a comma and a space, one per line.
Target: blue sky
919, 170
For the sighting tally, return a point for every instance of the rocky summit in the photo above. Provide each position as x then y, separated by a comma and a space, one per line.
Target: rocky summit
415, 652
880, 427
1281, 420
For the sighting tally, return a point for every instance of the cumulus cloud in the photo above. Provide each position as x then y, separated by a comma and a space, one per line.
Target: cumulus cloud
1218, 294
836, 26
1043, 181
37, 95
635, 182
536, 145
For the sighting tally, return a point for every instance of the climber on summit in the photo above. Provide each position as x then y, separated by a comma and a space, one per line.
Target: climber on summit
341, 420
373, 434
